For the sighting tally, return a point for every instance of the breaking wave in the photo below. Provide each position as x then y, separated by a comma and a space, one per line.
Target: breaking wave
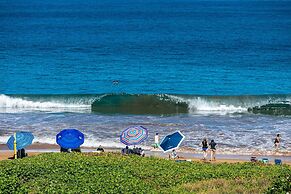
137, 104
59, 103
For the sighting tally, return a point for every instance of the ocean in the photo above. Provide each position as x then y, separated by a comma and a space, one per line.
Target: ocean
97, 65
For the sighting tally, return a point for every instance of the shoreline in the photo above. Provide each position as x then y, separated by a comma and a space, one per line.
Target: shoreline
54, 147
183, 153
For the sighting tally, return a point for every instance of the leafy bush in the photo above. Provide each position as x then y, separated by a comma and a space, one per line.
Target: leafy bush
114, 173
282, 183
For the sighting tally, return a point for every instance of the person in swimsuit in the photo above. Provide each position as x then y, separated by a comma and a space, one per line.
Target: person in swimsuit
204, 148
277, 142
212, 150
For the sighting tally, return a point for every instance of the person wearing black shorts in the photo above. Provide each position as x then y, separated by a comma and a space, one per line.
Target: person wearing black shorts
204, 148
212, 150
277, 142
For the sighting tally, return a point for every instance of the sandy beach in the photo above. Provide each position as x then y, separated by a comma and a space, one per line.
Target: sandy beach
183, 153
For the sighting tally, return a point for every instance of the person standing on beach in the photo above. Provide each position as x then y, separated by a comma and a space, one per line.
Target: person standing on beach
204, 148
277, 142
212, 150
157, 139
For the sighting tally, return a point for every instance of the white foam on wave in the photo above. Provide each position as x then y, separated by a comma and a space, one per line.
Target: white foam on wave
113, 143
15, 104
4, 139
104, 143
90, 141
204, 105
199, 104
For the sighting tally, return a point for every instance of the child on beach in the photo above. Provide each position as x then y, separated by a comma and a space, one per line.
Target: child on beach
204, 148
277, 142
212, 150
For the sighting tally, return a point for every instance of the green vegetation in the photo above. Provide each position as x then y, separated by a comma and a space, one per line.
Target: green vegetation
114, 173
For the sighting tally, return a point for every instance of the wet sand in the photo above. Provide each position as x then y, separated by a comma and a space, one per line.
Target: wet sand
184, 154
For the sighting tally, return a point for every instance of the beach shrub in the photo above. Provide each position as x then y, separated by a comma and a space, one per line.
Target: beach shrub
115, 173
282, 183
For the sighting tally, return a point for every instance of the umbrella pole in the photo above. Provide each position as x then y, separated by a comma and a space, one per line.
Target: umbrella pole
15, 149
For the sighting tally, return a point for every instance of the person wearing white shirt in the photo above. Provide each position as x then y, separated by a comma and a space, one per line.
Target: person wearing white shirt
157, 139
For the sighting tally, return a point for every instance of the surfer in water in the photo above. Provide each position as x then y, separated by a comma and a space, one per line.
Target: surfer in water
277, 142
115, 82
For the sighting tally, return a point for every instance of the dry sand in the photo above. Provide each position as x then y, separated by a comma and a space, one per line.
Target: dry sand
185, 154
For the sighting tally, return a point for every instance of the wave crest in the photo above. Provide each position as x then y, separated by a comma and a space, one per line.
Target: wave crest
137, 104
202, 104
19, 104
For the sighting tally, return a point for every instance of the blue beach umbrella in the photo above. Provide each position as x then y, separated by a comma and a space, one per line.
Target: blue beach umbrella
134, 135
172, 141
23, 139
70, 138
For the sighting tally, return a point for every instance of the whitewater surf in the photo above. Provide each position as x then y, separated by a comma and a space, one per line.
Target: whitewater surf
142, 103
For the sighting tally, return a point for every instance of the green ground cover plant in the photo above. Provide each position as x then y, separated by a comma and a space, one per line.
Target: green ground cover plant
114, 173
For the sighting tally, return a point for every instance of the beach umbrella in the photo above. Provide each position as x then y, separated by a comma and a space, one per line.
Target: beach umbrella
134, 135
23, 139
70, 138
172, 141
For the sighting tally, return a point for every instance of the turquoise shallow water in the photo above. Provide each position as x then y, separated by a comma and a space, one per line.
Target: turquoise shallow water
234, 133
217, 57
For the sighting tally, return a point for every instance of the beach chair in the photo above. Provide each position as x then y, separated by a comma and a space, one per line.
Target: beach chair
179, 160
76, 150
265, 160
64, 150
182, 159
21, 153
278, 161
254, 159
100, 149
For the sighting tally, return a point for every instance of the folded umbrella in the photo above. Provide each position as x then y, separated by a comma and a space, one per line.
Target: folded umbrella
70, 138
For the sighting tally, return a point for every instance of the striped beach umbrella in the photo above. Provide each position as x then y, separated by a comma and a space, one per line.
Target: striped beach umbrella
134, 135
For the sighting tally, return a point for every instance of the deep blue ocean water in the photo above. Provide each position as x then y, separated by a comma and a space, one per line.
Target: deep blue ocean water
219, 56
163, 46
